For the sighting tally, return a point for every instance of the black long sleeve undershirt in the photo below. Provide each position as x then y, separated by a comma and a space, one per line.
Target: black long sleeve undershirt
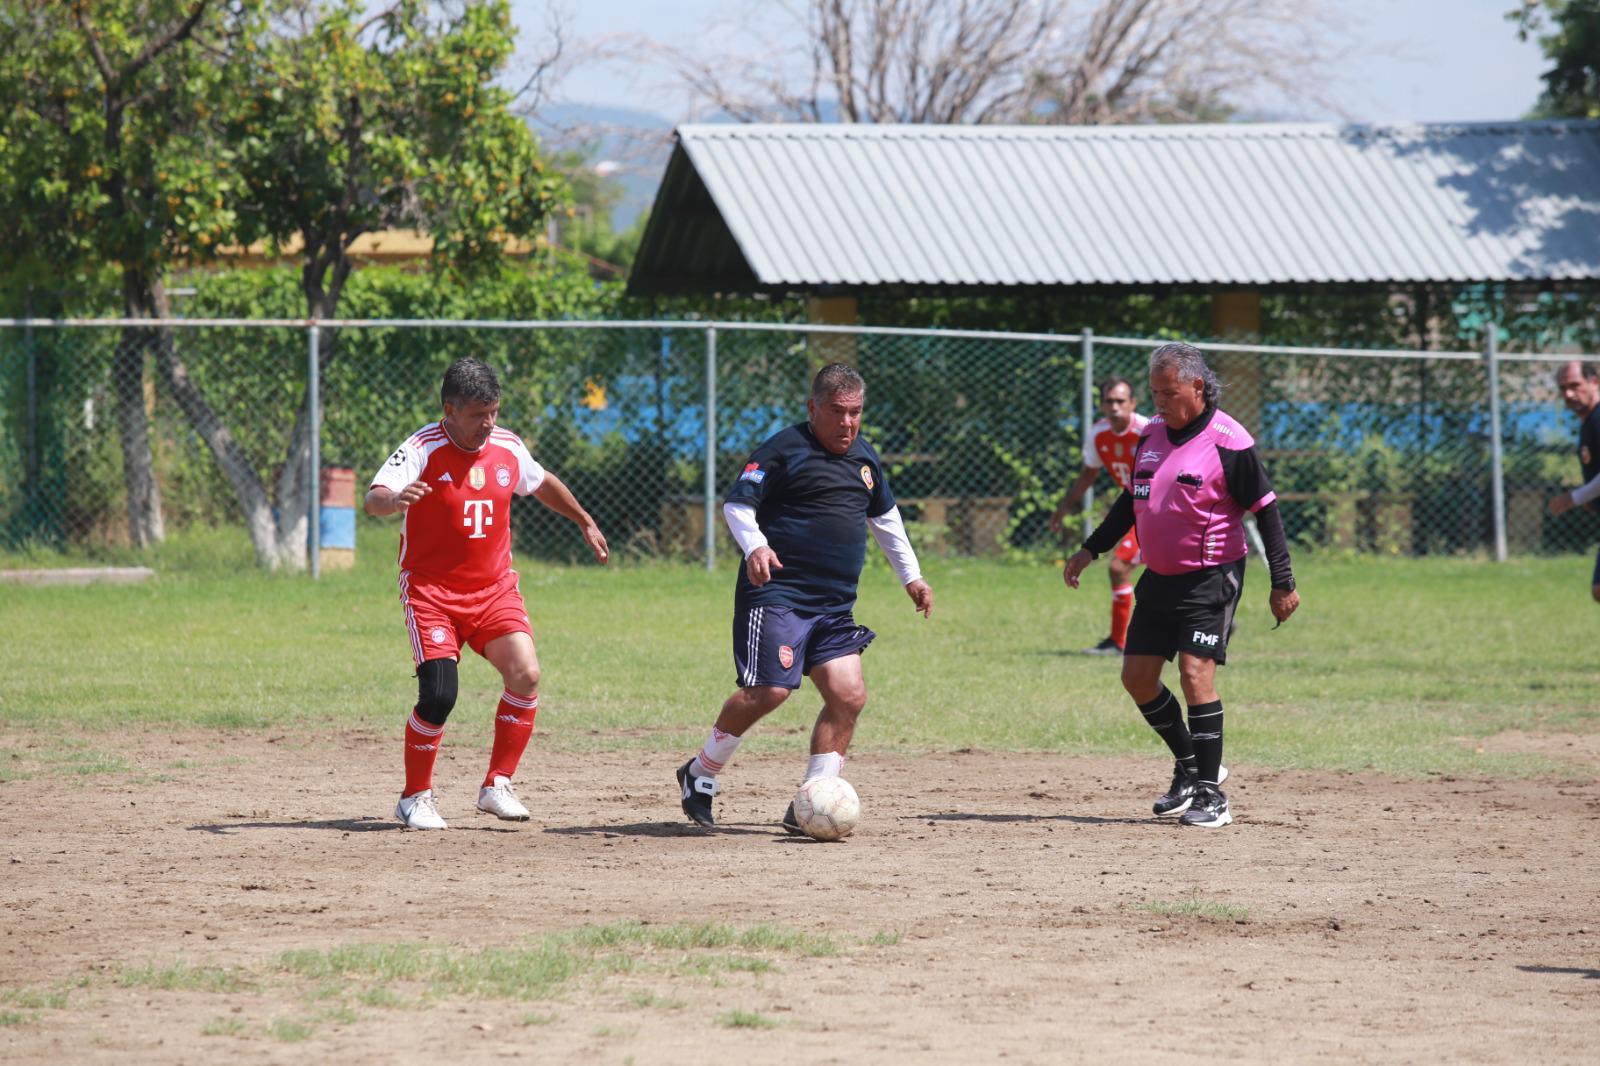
1114, 528
1268, 521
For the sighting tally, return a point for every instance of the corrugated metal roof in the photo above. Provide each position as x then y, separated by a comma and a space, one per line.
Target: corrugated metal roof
811, 206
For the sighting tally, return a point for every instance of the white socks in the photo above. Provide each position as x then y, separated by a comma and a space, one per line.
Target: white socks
719, 748
828, 764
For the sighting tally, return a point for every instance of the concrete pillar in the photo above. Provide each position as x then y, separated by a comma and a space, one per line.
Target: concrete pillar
1236, 317
832, 347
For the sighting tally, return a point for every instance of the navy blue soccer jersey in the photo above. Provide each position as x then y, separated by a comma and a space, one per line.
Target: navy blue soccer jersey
812, 506
1588, 449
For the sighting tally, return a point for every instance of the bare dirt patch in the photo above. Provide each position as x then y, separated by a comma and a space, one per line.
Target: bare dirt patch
991, 906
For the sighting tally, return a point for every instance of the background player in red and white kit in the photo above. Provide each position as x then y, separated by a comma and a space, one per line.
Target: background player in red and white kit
1109, 446
453, 480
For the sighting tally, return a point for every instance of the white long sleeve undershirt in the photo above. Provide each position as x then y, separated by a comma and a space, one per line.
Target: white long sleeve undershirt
888, 529
1588, 492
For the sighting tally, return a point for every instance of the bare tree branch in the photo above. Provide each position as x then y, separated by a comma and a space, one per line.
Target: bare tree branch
1054, 61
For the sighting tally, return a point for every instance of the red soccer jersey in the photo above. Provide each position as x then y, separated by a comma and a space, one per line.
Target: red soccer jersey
1108, 450
459, 535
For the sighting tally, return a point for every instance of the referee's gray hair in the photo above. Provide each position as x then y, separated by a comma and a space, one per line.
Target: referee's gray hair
834, 379
1190, 363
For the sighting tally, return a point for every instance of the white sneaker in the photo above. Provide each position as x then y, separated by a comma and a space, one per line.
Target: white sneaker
419, 811
500, 800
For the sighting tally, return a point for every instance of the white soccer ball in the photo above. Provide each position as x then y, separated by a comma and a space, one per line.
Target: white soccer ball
827, 808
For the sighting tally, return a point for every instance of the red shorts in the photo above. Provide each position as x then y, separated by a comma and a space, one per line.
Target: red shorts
440, 619
1128, 548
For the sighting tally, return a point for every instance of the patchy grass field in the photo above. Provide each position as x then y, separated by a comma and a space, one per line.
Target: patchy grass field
198, 859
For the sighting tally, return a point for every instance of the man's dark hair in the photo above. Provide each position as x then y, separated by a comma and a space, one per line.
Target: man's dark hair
469, 379
1110, 383
834, 379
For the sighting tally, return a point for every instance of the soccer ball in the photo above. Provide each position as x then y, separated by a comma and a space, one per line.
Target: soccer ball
827, 808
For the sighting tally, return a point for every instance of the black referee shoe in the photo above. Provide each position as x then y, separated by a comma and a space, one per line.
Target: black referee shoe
1105, 647
1181, 794
1209, 809
697, 793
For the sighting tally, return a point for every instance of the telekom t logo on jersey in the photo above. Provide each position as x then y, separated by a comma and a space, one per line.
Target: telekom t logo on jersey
475, 514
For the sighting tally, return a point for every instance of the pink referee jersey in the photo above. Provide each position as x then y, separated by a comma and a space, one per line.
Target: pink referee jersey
459, 535
1189, 499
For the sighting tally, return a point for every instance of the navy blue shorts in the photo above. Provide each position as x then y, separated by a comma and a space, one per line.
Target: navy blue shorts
775, 645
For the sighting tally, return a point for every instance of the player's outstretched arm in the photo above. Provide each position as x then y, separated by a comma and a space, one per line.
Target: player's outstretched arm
1070, 501
382, 501
554, 494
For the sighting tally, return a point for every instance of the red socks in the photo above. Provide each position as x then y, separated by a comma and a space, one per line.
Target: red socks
513, 725
1121, 611
422, 748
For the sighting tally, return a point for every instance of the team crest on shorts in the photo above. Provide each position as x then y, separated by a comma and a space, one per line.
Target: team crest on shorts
476, 477
866, 475
438, 634
785, 656
502, 475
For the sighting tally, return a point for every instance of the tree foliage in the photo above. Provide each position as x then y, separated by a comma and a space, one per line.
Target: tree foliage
1569, 33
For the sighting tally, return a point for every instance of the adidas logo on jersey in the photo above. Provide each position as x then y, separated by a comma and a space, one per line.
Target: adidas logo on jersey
445, 476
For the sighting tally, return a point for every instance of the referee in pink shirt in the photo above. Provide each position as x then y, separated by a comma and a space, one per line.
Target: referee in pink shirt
1196, 474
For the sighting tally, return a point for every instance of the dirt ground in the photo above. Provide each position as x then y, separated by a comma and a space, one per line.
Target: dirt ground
1039, 912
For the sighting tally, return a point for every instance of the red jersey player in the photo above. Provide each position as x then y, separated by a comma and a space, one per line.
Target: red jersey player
1109, 446
453, 480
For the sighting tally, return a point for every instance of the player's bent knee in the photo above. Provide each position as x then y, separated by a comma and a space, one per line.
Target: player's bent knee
523, 682
437, 684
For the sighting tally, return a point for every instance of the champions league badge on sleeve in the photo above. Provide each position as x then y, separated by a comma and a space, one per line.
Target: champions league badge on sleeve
753, 472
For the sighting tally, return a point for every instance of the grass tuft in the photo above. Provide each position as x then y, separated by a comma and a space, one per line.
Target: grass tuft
1196, 908
745, 1019
181, 977
223, 1027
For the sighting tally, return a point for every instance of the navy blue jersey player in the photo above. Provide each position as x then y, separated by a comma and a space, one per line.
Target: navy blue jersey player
1580, 391
800, 511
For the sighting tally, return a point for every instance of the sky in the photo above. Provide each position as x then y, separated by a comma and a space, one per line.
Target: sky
1415, 60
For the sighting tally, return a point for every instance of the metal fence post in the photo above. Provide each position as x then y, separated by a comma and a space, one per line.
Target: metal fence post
1497, 472
1088, 420
313, 476
30, 469
711, 447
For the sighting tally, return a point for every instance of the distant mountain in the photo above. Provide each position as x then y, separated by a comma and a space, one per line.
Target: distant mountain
637, 143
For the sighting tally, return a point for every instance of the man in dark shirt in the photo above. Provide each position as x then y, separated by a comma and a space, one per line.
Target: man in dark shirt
1580, 391
800, 511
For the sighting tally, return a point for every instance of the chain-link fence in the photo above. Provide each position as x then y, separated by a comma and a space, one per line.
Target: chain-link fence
115, 432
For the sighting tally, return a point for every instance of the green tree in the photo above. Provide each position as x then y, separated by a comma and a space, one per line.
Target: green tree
352, 124
109, 155
1569, 33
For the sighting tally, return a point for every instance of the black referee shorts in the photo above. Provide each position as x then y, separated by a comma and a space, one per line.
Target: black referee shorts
1185, 612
